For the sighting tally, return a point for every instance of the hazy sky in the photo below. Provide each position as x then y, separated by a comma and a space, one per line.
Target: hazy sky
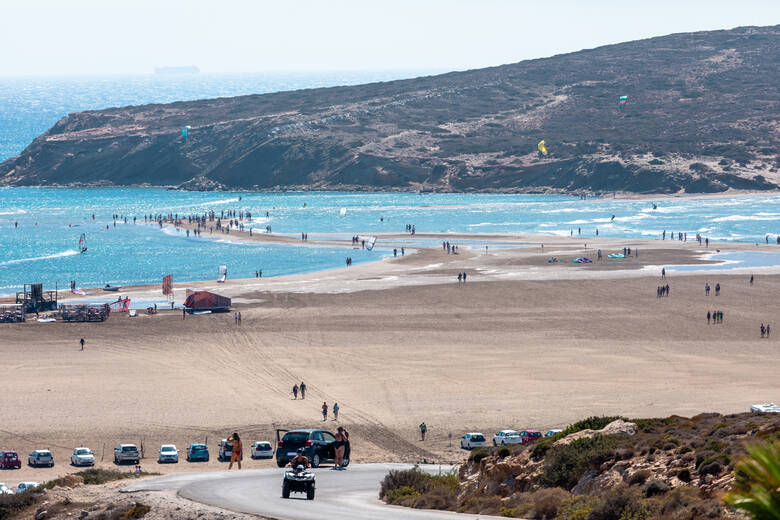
52, 37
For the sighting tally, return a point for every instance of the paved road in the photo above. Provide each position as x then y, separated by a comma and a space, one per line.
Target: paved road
346, 495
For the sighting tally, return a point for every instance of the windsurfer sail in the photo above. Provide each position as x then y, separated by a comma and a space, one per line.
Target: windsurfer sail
222, 276
370, 243
83, 243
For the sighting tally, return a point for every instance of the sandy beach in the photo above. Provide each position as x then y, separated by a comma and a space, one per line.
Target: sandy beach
522, 344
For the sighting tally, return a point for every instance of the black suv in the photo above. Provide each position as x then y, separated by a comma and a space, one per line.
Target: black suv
317, 446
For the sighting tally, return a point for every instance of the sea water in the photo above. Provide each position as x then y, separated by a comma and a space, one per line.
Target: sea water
44, 246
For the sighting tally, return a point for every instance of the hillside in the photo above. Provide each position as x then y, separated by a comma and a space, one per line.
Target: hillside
701, 116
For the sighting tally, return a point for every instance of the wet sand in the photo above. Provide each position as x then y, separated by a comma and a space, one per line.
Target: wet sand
522, 344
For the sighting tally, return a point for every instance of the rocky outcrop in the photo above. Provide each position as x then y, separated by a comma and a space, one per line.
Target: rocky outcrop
700, 117
618, 427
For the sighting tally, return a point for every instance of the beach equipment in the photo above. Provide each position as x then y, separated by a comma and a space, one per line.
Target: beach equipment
111, 288
35, 299
542, 147
370, 243
85, 311
121, 305
343, 212
185, 132
83, 243
199, 300
222, 275
616, 255
582, 260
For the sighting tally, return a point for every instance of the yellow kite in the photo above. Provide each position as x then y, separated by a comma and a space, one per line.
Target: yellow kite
542, 148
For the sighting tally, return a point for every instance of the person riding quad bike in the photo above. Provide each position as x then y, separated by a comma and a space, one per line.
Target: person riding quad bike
300, 460
297, 479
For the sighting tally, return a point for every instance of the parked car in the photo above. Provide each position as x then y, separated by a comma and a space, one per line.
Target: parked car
10, 460
317, 446
5, 490
506, 437
168, 453
529, 436
40, 458
552, 433
82, 457
472, 440
225, 450
126, 453
262, 450
24, 486
197, 452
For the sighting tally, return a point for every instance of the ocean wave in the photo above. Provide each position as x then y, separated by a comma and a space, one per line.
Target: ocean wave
36, 258
739, 218
14, 212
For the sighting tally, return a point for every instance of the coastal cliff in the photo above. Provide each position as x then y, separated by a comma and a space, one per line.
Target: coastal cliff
701, 115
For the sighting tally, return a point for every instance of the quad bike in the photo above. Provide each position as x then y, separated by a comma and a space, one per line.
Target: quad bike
298, 480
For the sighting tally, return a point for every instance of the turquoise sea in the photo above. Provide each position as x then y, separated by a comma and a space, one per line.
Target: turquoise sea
44, 246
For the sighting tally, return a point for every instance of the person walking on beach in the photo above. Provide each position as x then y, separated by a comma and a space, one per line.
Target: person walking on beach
237, 455
708, 317
423, 429
184, 314
751, 280
707, 289
767, 330
295, 386
335, 411
717, 289
324, 411
460, 277
663, 273
239, 317
303, 390
82, 343
763, 330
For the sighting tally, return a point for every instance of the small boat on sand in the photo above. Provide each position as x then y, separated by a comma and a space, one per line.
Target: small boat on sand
111, 288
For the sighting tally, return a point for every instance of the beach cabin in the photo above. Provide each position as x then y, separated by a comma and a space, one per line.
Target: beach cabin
205, 301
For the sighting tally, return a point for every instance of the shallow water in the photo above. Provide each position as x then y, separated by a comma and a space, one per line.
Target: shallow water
45, 245
732, 260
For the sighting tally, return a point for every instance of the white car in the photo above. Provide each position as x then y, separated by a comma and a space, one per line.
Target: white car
41, 458
168, 453
552, 433
472, 440
507, 437
82, 457
24, 486
5, 490
262, 450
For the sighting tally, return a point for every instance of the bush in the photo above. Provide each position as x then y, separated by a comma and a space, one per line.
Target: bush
403, 478
577, 507
504, 451
655, 487
621, 503
547, 502
591, 423
437, 498
713, 468
400, 495
564, 465
101, 476
12, 505
478, 455
540, 448
639, 477
137, 511
684, 475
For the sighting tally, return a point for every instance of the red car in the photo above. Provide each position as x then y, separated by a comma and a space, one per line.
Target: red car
10, 460
529, 436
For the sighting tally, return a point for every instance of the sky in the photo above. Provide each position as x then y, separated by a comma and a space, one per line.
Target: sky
86, 37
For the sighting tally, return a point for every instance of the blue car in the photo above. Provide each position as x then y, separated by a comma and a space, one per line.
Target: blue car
197, 452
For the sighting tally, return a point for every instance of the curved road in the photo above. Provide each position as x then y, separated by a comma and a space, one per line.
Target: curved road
347, 495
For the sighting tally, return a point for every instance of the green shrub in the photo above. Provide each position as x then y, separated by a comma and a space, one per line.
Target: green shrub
564, 465
540, 448
684, 475
639, 477
478, 455
400, 494
591, 423
712, 468
437, 498
547, 502
137, 511
654, 487
504, 451
622, 503
101, 476
12, 505
577, 507
403, 478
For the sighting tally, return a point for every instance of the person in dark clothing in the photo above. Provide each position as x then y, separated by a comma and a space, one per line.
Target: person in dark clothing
708, 317
82, 343
300, 460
